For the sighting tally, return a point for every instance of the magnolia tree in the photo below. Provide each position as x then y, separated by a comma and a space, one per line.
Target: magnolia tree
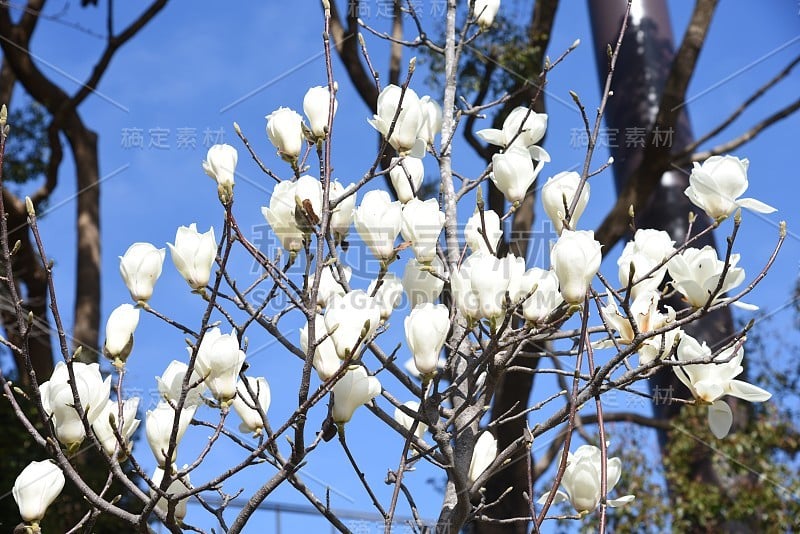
473, 312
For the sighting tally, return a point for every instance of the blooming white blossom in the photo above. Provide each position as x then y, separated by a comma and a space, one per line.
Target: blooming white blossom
329, 284
644, 313
355, 388
419, 282
479, 286
575, 258
35, 489
170, 384
709, 382
431, 119
140, 268
119, 332
406, 127
158, 428
523, 128
407, 422
176, 487
545, 296
280, 216
582, 480
104, 428
426, 331
193, 254
484, 12
474, 230
422, 223
326, 362
406, 174
58, 401
716, 185
646, 252
245, 404
342, 214
483, 455
378, 221
351, 320
513, 173
219, 360
317, 107
696, 274
388, 295
308, 202
285, 131
220, 164
560, 191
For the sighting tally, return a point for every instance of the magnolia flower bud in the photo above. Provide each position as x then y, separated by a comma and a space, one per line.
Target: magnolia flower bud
378, 222
426, 331
420, 284
104, 428
575, 258
422, 224
58, 401
716, 185
316, 106
245, 404
220, 164
355, 388
484, 12
308, 202
407, 422
158, 428
479, 286
36, 487
473, 232
406, 174
193, 255
140, 268
523, 128
351, 320
342, 214
696, 272
483, 455
545, 297
176, 487
431, 119
581, 481
280, 216
408, 123
388, 295
219, 361
326, 362
513, 173
285, 131
329, 285
560, 191
119, 332
170, 384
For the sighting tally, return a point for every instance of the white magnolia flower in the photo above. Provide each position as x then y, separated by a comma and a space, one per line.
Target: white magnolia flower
388, 295
219, 360
513, 173
158, 428
709, 382
193, 254
35, 489
426, 331
422, 223
104, 428
407, 421
475, 229
406, 127
646, 252
716, 185
329, 284
696, 273
406, 174
140, 268
581, 481
308, 202
176, 487
326, 362
479, 286
644, 313
285, 131
170, 385
420, 284
58, 400
483, 455
342, 214
355, 388
245, 404
351, 320
575, 258
220, 164
545, 296
378, 221
280, 216
522, 128
119, 332
431, 119
317, 106
560, 191
484, 12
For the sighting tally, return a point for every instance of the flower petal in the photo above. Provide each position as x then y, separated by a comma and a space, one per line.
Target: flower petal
748, 392
492, 136
559, 497
755, 205
614, 503
720, 418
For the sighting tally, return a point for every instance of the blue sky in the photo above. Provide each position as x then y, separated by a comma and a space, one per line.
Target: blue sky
203, 65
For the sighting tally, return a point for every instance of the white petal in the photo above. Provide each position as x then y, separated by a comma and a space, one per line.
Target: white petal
613, 503
492, 136
559, 497
720, 418
748, 392
755, 205
744, 305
